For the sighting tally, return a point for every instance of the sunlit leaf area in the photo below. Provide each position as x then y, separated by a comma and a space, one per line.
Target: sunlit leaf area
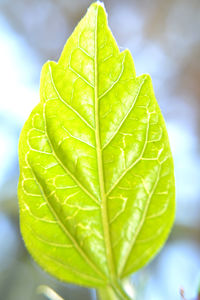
164, 40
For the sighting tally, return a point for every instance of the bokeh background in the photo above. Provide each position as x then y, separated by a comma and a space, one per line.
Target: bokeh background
164, 38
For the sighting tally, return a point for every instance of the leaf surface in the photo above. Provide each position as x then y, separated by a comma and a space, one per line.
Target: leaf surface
96, 186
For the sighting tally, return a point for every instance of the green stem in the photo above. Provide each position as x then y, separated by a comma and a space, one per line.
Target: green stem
106, 294
114, 292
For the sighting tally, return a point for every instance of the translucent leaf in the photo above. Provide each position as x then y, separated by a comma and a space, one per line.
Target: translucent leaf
96, 186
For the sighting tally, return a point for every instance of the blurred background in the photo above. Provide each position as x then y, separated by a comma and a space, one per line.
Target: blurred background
164, 38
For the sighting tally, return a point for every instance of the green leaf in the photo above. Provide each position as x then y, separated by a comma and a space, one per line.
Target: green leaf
96, 186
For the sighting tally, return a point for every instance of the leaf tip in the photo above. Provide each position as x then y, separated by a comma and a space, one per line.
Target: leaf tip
99, 4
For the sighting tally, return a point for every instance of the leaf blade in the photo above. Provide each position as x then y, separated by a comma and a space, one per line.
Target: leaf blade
89, 154
55, 221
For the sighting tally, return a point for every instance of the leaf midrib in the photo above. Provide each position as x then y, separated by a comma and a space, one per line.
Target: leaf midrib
104, 209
